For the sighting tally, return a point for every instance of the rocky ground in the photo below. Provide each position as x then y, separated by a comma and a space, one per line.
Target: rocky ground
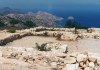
50, 49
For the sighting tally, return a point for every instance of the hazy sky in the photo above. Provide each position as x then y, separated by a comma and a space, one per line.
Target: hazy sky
51, 4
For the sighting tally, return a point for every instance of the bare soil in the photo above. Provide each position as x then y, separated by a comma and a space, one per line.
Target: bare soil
90, 45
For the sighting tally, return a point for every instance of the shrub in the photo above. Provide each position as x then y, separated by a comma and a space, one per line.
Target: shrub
11, 30
29, 24
45, 33
2, 43
43, 47
1, 24
14, 21
73, 23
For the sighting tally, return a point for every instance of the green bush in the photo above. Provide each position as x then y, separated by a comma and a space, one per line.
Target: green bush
2, 43
2, 24
72, 24
30, 24
11, 30
14, 21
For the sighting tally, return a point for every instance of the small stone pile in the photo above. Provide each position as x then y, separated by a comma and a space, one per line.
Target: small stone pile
55, 59
82, 61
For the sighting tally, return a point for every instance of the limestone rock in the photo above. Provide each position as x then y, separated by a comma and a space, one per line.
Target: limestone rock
82, 64
91, 64
88, 68
92, 60
94, 55
81, 57
71, 67
68, 36
98, 61
53, 64
70, 60
64, 48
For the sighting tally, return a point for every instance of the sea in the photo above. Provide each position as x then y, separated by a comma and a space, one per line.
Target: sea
88, 18
85, 18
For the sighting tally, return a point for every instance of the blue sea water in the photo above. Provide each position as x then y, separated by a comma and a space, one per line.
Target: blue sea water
87, 12
86, 18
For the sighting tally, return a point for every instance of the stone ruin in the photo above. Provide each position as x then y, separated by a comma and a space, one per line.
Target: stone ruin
60, 33
53, 56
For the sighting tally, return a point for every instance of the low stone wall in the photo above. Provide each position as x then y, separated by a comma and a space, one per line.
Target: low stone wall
14, 37
61, 34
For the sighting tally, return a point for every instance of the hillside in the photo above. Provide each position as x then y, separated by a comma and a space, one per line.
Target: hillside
40, 18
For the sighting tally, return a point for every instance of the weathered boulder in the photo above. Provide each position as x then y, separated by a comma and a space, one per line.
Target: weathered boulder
88, 68
68, 36
93, 30
81, 57
70, 60
98, 61
53, 65
64, 48
92, 60
71, 67
50, 46
91, 64
43, 47
82, 65
48, 33
95, 56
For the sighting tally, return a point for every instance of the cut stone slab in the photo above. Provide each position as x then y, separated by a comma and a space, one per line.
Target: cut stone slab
71, 67
70, 60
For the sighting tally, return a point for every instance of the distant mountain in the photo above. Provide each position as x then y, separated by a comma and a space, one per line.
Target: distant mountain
40, 18
7, 10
